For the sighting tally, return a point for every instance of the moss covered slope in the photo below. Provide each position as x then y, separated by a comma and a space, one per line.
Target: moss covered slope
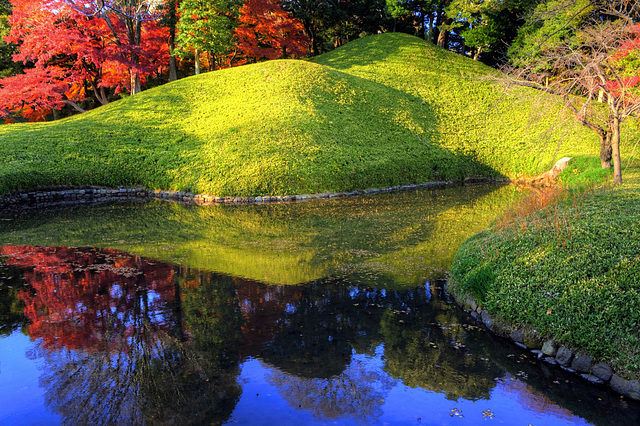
570, 271
384, 110
522, 132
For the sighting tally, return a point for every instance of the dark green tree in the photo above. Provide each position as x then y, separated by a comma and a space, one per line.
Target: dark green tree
419, 17
317, 18
360, 18
7, 66
488, 26
332, 23
207, 26
170, 20
550, 24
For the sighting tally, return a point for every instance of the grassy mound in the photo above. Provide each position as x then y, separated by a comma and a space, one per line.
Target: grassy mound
570, 271
523, 132
381, 111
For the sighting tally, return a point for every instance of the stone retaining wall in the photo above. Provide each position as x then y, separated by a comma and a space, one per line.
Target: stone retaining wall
86, 194
553, 353
90, 194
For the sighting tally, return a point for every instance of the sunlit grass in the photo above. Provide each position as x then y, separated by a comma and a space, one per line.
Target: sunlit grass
381, 111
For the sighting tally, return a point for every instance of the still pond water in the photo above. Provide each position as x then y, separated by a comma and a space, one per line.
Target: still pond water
325, 312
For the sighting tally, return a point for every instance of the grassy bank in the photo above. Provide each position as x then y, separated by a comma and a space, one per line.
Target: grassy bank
381, 111
570, 270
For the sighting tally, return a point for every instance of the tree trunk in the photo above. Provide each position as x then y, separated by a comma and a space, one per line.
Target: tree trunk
134, 31
463, 48
100, 93
135, 82
432, 28
173, 65
311, 33
477, 54
439, 18
443, 37
173, 68
197, 62
71, 104
605, 148
615, 151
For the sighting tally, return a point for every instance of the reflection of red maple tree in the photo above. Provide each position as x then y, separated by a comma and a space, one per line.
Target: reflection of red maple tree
91, 299
262, 306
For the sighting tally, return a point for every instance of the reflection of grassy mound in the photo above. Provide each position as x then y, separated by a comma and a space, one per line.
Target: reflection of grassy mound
384, 110
404, 238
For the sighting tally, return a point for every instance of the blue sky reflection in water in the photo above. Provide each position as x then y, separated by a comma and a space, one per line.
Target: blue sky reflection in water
121, 336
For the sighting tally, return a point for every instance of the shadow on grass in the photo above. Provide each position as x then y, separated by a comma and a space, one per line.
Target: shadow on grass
339, 134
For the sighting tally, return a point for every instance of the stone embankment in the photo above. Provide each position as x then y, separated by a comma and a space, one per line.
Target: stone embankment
553, 353
60, 196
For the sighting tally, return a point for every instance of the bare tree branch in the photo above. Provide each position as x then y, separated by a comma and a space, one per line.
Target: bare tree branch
586, 73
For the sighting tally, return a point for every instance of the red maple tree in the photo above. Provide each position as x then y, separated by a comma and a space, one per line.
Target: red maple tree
68, 53
267, 31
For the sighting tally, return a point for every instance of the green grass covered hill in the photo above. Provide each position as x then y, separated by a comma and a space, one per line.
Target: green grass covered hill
381, 111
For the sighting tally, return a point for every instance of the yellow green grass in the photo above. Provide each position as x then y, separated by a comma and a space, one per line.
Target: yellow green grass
383, 110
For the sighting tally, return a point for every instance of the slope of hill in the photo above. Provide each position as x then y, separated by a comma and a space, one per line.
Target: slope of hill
383, 110
523, 131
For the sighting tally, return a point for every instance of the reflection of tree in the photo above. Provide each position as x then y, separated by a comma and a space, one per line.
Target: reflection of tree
262, 306
195, 379
11, 307
316, 334
313, 349
85, 299
117, 345
357, 393
432, 350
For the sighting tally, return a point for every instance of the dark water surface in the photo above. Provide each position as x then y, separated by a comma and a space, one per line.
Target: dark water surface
328, 312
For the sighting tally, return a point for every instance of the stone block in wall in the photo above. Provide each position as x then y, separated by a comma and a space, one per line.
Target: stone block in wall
582, 363
517, 336
471, 303
550, 348
486, 318
591, 378
564, 356
628, 388
602, 371
532, 339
